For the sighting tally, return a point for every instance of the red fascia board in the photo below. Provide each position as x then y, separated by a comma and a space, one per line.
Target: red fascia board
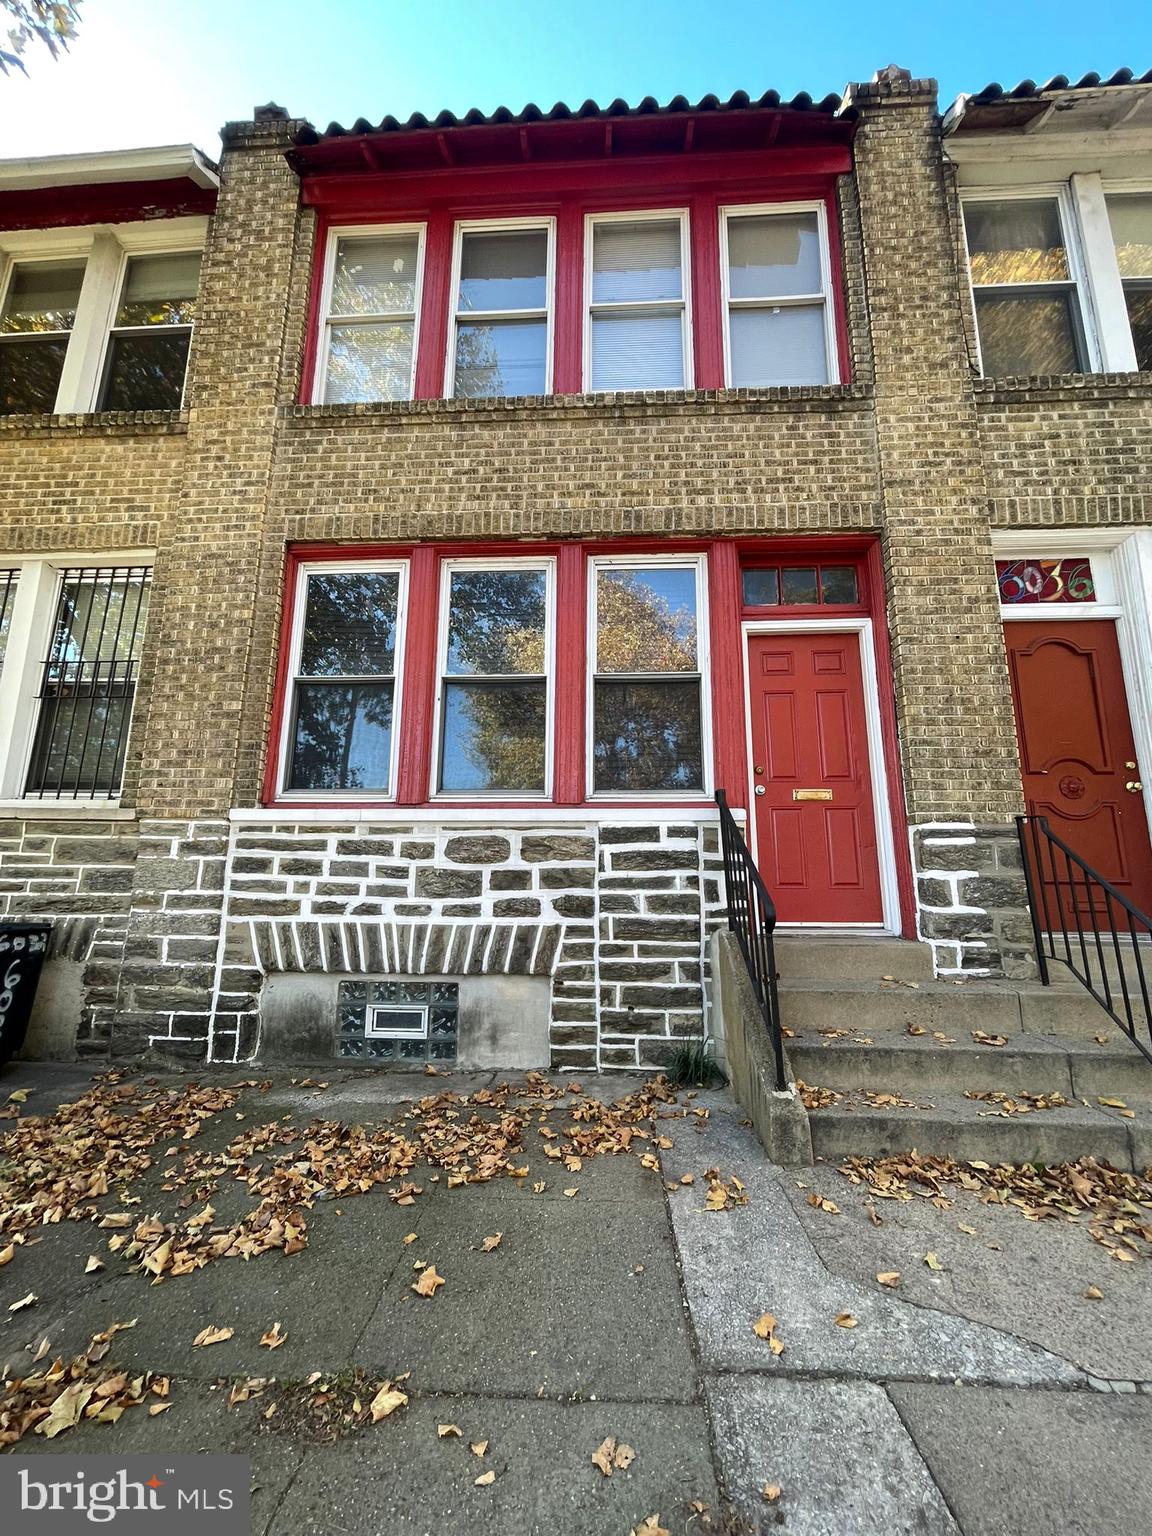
114, 202
402, 190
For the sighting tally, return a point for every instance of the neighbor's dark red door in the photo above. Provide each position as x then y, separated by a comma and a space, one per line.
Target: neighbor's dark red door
1077, 755
815, 824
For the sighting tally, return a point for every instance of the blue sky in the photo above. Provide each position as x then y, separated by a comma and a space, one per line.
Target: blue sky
170, 71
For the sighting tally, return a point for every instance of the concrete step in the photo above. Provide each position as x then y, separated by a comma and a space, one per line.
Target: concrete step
917, 1066
814, 956
949, 1125
996, 1007
1113, 977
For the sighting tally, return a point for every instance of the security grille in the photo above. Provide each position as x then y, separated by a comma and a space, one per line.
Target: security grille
406, 1021
88, 683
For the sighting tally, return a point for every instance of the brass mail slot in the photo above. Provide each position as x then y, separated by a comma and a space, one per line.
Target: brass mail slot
811, 794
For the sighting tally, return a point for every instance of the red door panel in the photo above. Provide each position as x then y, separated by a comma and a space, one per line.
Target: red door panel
809, 732
1076, 749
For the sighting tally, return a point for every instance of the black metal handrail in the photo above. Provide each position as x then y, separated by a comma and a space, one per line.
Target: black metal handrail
752, 918
1104, 922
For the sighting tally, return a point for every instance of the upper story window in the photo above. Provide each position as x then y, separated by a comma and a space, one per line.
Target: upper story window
71, 638
776, 286
500, 339
373, 288
147, 354
1027, 305
36, 322
637, 335
97, 321
588, 299
1130, 216
1062, 277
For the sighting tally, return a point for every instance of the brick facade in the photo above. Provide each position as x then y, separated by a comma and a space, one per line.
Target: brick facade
183, 902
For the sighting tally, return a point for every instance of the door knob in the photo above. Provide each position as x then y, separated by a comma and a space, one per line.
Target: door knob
1130, 765
760, 790
1133, 786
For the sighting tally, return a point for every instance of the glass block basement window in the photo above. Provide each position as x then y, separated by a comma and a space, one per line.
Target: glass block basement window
404, 1021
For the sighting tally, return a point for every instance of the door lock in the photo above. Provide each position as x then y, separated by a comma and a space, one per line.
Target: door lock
760, 790
1130, 765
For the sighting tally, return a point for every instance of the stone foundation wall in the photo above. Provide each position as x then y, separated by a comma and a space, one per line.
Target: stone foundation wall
972, 902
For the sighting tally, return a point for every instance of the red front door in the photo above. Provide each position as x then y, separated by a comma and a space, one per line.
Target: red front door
1077, 755
812, 788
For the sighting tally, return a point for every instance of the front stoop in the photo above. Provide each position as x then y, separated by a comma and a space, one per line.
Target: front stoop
863, 1019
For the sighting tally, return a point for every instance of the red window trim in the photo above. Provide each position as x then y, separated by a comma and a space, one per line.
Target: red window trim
569, 211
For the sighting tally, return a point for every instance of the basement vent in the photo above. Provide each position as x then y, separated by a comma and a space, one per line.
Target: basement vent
409, 1021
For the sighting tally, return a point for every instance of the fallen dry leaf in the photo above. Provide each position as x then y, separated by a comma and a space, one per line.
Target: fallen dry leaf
933, 1262
1093, 1293
25, 1301
386, 1401
18, 1096
212, 1336
650, 1527
569, 1193
93, 1264
603, 1454
484, 1479
889, 1277
7, 1254
429, 1282
765, 1328
273, 1338
846, 1320
492, 1242
446, 1431
772, 1492
478, 1447
819, 1203
411, 1238
156, 1408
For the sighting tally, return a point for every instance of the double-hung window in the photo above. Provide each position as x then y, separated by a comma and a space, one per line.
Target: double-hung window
647, 712
496, 647
147, 355
638, 333
500, 333
1130, 215
778, 327
370, 330
36, 319
345, 663
1028, 310
71, 639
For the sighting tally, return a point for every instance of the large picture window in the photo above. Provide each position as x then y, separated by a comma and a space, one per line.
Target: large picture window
496, 639
647, 716
345, 657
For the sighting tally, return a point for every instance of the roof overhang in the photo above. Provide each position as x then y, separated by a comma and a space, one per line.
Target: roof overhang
1031, 134
169, 162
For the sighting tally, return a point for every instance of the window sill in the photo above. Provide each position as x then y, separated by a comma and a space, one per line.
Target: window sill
99, 424
786, 397
473, 814
72, 810
1065, 386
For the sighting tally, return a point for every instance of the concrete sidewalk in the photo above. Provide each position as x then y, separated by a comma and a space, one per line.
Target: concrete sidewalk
987, 1395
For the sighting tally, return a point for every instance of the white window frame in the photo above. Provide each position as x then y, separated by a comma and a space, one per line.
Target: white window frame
112, 329
464, 227
825, 298
292, 676
34, 607
699, 562
547, 564
1119, 345
104, 249
328, 319
1082, 290
626, 306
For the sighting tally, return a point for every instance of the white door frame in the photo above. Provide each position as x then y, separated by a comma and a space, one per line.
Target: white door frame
1123, 574
864, 630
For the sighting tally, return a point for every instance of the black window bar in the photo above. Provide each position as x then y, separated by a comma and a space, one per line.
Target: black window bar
8, 580
89, 683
